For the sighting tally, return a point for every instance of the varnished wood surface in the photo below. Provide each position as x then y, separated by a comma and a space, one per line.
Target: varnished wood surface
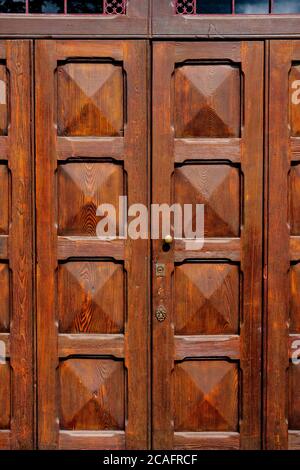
211, 295
96, 291
92, 323
279, 247
16, 248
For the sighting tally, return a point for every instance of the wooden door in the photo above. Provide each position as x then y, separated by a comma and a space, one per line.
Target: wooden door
16, 306
208, 149
92, 313
282, 413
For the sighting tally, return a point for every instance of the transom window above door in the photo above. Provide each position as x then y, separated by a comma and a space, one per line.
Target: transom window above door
260, 7
100, 7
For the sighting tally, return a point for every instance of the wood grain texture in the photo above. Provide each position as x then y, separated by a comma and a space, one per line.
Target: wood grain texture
4, 197
20, 246
90, 147
91, 440
90, 100
206, 280
205, 396
213, 248
134, 23
165, 23
4, 100
206, 440
207, 101
278, 249
92, 394
91, 297
205, 149
5, 298
82, 188
95, 344
217, 187
67, 247
207, 346
87, 325
3, 147
207, 299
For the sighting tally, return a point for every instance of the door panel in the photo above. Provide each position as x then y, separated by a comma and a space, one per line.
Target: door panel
208, 149
91, 124
16, 319
282, 412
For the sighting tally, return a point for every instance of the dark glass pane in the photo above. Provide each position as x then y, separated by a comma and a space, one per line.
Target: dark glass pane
46, 6
252, 6
81, 6
214, 6
286, 6
12, 6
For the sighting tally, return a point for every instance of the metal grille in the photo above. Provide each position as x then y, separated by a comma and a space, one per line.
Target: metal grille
100, 7
202, 7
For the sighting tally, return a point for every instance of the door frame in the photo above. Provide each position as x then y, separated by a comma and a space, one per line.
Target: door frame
167, 27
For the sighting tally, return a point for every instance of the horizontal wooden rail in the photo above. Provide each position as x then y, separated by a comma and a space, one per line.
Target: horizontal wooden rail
206, 441
68, 247
208, 149
3, 147
207, 346
90, 345
91, 440
90, 147
213, 248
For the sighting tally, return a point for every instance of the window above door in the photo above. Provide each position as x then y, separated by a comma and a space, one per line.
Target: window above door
100, 7
260, 7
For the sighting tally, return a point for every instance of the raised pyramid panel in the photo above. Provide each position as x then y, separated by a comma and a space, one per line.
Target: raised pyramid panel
205, 396
206, 299
295, 298
218, 188
90, 100
5, 394
294, 91
92, 394
5, 298
82, 187
294, 196
207, 101
4, 199
91, 297
3, 100
294, 397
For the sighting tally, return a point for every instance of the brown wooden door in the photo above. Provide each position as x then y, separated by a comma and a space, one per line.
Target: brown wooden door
282, 413
208, 149
92, 313
16, 306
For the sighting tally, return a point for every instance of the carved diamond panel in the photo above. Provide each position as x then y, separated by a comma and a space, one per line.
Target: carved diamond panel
206, 396
4, 198
92, 394
4, 304
294, 397
206, 299
295, 200
218, 188
82, 187
3, 100
207, 101
294, 101
90, 100
5, 395
91, 297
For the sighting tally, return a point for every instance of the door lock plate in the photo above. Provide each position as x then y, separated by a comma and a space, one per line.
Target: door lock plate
161, 313
160, 270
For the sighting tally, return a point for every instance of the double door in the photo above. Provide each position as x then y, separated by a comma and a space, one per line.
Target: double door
123, 342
